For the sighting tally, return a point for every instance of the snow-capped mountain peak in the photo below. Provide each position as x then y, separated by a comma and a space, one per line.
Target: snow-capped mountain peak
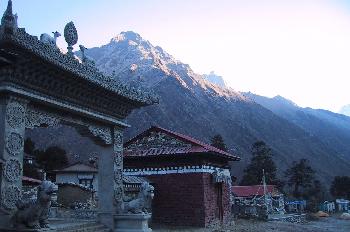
133, 59
215, 79
126, 36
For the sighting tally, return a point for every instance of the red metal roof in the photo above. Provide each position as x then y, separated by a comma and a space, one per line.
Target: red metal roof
196, 146
249, 191
32, 180
77, 167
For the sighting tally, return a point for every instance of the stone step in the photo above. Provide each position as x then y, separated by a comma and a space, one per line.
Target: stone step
90, 229
84, 227
62, 226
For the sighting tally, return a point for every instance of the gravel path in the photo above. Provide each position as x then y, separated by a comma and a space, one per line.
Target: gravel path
331, 224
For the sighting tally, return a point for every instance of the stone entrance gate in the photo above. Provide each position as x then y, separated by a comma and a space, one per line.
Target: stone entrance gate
40, 86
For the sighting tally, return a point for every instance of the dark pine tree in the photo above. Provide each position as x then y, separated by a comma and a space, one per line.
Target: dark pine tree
30, 170
29, 146
52, 158
261, 160
218, 142
300, 177
340, 187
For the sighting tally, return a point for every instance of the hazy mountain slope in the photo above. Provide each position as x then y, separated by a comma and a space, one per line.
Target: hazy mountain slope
330, 128
191, 105
345, 110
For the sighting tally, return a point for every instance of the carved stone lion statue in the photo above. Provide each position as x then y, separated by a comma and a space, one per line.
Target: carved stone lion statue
143, 202
34, 215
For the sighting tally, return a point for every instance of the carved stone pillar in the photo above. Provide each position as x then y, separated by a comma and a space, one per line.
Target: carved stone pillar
118, 168
12, 130
110, 168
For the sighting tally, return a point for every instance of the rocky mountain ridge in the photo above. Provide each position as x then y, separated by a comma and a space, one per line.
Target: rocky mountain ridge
191, 105
330, 128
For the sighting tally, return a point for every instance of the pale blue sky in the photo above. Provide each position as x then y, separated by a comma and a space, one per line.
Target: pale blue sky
299, 49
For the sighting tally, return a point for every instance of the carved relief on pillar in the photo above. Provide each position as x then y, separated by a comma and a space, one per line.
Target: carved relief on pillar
36, 118
118, 159
15, 114
103, 133
119, 193
12, 170
118, 176
14, 143
118, 140
118, 166
11, 195
12, 155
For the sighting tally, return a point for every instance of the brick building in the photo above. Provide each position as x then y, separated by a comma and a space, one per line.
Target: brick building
191, 179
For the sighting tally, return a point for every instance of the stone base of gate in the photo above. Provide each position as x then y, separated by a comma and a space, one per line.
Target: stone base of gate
132, 223
27, 230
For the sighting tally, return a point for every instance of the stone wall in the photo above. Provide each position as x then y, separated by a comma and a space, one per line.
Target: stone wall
68, 195
73, 178
188, 199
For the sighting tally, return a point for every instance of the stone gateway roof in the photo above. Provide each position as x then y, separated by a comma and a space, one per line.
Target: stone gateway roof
14, 41
71, 64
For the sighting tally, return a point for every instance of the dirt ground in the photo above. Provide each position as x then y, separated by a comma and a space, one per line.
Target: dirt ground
331, 224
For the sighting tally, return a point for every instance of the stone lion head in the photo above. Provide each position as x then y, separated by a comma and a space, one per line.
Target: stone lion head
46, 190
147, 190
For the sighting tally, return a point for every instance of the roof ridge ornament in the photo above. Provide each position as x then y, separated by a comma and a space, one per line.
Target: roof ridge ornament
71, 37
84, 58
9, 20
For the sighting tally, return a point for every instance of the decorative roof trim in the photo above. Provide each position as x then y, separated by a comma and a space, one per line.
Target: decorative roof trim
69, 107
206, 148
173, 170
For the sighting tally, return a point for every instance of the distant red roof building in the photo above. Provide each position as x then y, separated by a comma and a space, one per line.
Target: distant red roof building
30, 181
254, 190
191, 179
77, 168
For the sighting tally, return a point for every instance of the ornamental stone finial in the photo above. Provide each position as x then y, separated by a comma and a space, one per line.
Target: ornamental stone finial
71, 36
84, 58
9, 20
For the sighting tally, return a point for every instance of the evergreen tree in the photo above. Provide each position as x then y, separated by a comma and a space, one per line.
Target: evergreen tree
315, 195
261, 160
300, 177
341, 187
218, 142
29, 146
30, 170
52, 158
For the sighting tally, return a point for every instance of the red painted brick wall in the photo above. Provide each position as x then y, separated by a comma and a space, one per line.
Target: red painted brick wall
178, 199
217, 209
188, 200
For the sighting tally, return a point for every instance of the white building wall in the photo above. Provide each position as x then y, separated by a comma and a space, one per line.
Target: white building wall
73, 178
